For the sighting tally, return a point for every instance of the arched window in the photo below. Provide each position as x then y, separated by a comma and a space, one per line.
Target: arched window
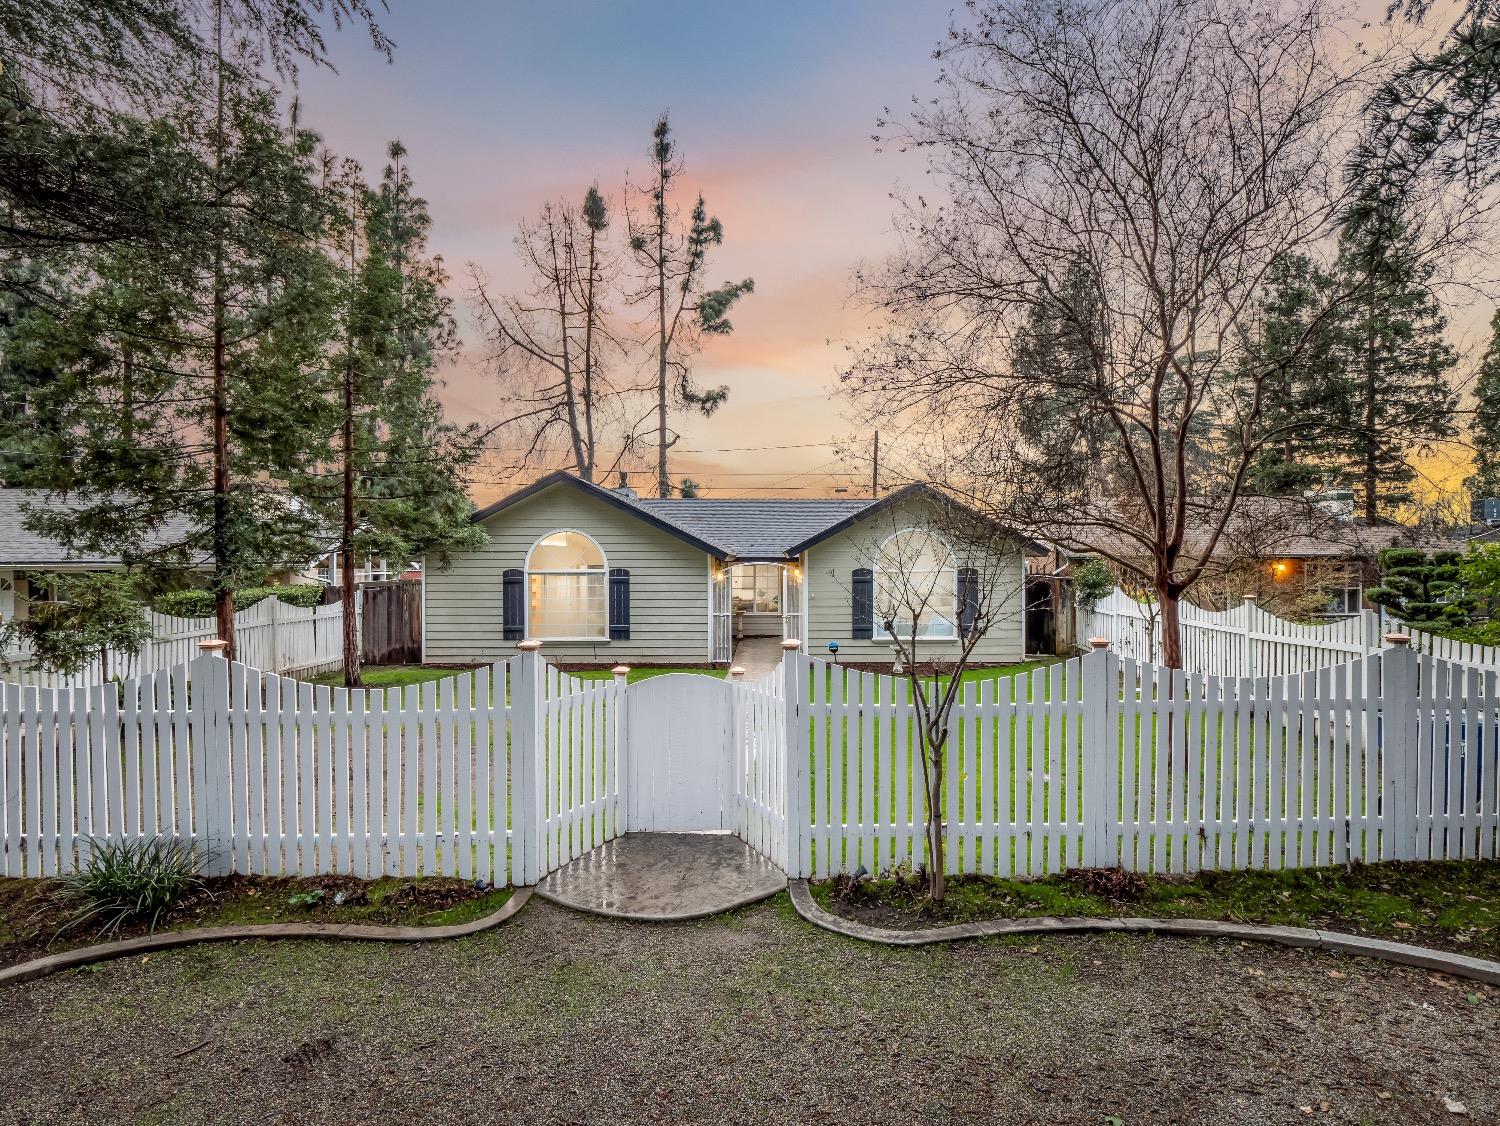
567, 589
916, 586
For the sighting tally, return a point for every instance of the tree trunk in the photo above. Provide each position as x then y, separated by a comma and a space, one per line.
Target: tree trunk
936, 883
1371, 451
347, 588
586, 471
663, 480
223, 573
1171, 627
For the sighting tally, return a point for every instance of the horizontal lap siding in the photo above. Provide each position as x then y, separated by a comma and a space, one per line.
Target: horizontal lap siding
668, 586
829, 567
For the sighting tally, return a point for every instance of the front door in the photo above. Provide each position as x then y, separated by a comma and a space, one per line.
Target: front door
679, 754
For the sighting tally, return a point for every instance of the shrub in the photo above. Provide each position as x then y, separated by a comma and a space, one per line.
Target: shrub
200, 603
1092, 582
130, 881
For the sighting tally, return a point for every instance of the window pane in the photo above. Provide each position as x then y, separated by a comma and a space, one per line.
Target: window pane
915, 576
566, 551
768, 589
568, 606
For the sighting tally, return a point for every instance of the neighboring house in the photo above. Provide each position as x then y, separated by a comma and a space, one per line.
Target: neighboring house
370, 569
602, 576
23, 551
1296, 557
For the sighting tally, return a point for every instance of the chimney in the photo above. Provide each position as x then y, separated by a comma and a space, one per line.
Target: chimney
623, 488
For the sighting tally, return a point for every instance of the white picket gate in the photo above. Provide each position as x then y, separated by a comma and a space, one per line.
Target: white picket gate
508, 772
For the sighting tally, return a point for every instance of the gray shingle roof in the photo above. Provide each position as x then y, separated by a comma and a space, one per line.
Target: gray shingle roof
21, 547
751, 529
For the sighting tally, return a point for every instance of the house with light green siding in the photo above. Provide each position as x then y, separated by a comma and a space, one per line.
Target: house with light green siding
602, 576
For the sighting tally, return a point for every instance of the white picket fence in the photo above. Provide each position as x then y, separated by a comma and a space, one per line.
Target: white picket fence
500, 774
271, 635
1249, 641
1102, 760
508, 772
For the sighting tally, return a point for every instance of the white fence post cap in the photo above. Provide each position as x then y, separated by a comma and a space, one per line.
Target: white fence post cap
529, 646
1099, 642
737, 671
621, 671
1398, 639
791, 643
213, 645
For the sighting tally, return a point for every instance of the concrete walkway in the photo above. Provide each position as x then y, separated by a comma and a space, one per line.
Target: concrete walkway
757, 655
663, 876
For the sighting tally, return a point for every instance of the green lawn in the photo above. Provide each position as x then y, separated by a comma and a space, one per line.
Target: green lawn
397, 676
388, 676
643, 673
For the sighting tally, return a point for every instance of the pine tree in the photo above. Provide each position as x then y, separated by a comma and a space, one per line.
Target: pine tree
185, 403
672, 263
1484, 424
395, 488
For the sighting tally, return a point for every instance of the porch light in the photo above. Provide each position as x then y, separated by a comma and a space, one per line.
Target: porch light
1280, 569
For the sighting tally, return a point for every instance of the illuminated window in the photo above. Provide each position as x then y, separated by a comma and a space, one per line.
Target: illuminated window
757, 588
566, 582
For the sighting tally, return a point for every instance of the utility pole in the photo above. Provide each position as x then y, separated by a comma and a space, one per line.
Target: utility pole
875, 471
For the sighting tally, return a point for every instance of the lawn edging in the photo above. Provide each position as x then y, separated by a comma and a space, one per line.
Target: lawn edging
168, 940
1459, 965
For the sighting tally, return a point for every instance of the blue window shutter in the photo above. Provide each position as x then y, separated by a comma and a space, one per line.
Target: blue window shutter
513, 605
619, 604
968, 598
862, 628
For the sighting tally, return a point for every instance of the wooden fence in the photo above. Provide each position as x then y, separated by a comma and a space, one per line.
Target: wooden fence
272, 635
390, 622
1248, 641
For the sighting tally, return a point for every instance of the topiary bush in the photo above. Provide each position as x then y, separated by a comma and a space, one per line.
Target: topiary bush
1424, 591
128, 882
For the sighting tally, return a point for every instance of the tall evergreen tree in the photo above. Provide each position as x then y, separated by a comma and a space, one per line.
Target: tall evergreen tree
1484, 424
185, 400
1368, 387
673, 261
395, 488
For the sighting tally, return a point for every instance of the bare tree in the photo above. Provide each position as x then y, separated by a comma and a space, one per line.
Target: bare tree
549, 345
1075, 321
672, 262
944, 578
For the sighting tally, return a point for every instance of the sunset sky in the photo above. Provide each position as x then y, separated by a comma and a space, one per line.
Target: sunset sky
506, 106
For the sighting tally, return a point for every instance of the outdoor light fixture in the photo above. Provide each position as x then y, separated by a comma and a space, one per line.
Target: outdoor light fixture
833, 648
1280, 568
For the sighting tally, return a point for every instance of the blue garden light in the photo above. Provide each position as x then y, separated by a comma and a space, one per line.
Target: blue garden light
833, 650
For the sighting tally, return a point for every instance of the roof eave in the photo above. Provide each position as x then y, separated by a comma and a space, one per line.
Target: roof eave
608, 496
906, 492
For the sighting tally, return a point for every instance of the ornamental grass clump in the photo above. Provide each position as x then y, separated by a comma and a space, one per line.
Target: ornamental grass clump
130, 882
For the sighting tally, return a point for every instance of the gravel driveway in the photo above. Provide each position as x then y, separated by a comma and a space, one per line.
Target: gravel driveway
757, 1017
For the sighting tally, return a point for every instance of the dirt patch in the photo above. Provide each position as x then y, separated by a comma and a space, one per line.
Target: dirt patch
32, 922
1450, 905
750, 1018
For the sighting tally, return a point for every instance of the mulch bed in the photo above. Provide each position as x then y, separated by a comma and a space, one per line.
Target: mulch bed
901, 904
31, 919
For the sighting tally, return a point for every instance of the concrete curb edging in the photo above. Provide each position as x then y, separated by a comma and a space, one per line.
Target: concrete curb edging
168, 940
1458, 965
639, 917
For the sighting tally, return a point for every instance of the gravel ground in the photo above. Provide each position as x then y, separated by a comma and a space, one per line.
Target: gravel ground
754, 1017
